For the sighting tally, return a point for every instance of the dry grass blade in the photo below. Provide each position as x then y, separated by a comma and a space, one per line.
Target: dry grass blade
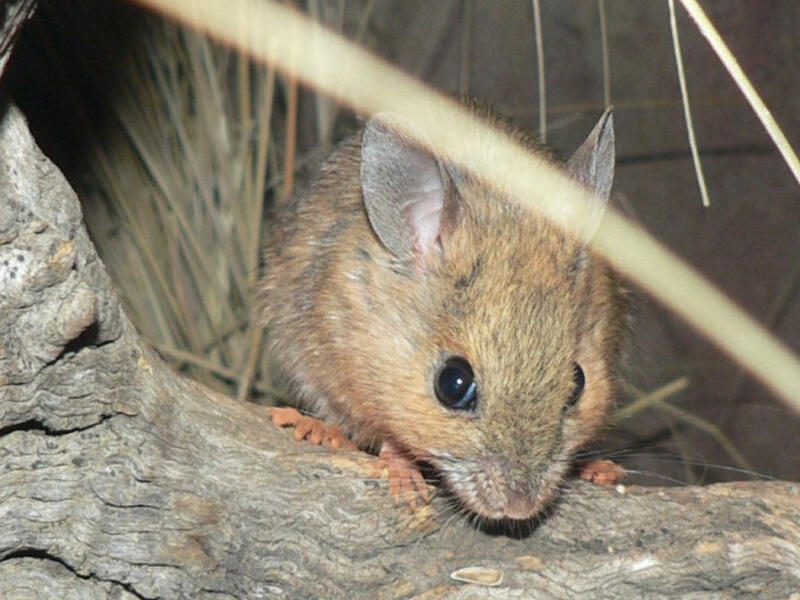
187, 259
465, 52
737, 74
601, 9
645, 401
658, 400
687, 111
710, 429
537, 25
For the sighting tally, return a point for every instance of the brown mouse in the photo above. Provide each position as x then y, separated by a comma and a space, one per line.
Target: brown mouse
422, 314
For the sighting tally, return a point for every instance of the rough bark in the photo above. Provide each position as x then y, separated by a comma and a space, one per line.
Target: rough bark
120, 479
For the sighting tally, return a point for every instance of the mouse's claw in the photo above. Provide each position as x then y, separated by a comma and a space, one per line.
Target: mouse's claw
405, 479
602, 472
311, 429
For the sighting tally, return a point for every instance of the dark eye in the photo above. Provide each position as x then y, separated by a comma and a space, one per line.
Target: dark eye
455, 384
579, 380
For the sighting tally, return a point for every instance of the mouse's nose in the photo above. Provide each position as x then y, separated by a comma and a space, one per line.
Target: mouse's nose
497, 488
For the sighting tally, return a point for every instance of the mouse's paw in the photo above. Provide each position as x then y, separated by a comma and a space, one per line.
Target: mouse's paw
602, 472
311, 429
405, 479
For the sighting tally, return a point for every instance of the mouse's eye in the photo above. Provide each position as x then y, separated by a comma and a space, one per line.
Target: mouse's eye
455, 385
578, 380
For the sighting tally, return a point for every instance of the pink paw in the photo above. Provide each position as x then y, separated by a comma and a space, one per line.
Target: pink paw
311, 429
405, 479
602, 472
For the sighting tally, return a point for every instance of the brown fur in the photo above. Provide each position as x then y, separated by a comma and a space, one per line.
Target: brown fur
358, 334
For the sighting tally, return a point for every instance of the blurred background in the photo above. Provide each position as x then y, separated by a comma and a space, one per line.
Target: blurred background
176, 145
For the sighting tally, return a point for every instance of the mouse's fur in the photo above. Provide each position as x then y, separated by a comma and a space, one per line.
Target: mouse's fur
390, 261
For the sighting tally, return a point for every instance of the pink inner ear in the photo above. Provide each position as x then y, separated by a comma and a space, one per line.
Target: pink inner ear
423, 209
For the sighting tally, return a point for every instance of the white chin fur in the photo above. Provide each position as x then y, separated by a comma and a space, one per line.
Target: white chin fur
494, 489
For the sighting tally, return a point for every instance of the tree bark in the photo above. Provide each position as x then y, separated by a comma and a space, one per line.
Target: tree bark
120, 479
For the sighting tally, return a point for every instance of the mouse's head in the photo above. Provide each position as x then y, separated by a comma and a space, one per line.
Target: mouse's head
514, 360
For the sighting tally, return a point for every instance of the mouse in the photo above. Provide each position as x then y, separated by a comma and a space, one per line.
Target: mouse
411, 309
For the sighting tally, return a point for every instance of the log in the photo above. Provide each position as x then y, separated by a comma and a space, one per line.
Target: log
121, 479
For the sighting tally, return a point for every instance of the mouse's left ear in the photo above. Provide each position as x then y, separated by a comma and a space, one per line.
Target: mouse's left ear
593, 163
405, 191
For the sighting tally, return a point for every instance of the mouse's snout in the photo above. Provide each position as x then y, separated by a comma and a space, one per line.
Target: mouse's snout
494, 487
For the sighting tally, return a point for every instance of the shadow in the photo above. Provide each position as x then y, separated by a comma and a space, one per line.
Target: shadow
64, 70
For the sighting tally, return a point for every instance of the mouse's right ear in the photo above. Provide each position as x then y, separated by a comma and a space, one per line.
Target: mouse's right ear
593, 163
593, 166
405, 191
